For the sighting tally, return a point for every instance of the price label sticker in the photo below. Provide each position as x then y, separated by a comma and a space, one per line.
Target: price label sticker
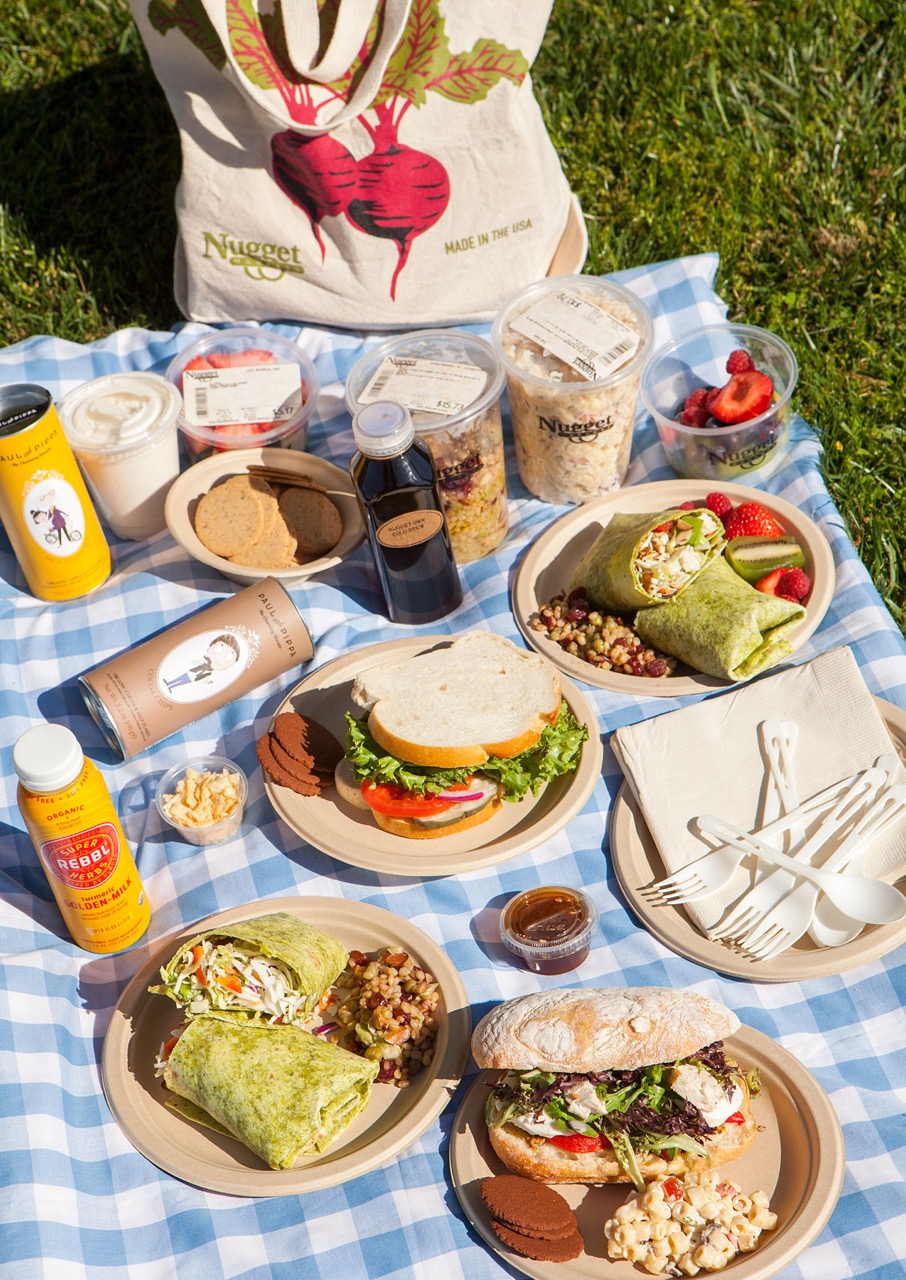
425, 386
220, 397
582, 335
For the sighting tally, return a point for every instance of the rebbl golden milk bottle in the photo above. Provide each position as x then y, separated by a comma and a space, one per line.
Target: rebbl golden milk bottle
73, 824
44, 505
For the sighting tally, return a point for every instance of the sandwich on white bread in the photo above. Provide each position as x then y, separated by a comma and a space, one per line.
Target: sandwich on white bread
613, 1084
430, 756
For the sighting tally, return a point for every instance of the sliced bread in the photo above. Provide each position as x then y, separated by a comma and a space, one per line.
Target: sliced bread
455, 706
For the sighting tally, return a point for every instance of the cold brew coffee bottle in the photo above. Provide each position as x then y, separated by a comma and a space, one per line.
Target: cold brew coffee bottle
396, 485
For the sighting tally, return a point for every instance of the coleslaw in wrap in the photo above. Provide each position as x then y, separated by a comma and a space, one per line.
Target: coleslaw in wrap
280, 1090
271, 967
721, 625
647, 558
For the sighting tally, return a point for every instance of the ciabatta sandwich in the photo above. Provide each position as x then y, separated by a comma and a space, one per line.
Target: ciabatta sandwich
613, 1085
450, 734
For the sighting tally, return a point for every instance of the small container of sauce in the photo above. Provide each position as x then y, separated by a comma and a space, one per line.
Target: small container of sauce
549, 927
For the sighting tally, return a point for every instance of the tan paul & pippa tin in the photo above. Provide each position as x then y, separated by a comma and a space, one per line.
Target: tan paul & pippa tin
200, 665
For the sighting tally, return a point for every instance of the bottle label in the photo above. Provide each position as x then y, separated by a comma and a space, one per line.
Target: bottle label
410, 530
84, 859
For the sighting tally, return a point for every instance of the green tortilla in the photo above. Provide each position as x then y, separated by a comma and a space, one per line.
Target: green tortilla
314, 959
608, 570
722, 626
280, 1090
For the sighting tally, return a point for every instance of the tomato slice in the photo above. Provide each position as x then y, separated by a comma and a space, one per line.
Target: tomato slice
580, 1142
397, 802
736, 1118
673, 1189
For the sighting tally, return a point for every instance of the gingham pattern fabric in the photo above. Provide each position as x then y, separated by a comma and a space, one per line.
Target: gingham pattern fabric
77, 1202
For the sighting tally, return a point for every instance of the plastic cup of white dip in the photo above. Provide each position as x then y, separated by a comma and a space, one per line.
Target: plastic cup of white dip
122, 428
573, 348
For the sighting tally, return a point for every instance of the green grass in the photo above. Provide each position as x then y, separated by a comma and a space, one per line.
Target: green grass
771, 133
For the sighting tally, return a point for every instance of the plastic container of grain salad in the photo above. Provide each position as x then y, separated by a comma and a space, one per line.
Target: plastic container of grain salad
451, 383
573, 348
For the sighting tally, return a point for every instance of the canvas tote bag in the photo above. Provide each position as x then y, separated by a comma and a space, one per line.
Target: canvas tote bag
359, 163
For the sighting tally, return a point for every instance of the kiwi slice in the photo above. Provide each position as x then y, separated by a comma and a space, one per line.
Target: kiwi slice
753, 557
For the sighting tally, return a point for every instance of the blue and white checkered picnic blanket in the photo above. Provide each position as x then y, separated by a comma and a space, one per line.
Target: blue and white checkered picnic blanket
77, 1202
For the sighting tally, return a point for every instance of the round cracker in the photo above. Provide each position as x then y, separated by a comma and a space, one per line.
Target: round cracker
229, 517
312, 519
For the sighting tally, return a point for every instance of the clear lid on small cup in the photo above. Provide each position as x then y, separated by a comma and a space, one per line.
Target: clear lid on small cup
208, 771
445, 378
588, 332
549, 927
277, 377
119, 412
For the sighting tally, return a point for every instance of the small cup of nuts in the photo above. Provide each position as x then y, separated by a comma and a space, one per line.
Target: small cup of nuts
204, 799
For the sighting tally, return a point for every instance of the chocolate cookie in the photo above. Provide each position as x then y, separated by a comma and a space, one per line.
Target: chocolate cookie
278, 773
308, 740
563, 1249
527, 1206
298, 768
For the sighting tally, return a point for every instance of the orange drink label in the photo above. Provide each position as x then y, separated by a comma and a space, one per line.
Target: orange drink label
88, 863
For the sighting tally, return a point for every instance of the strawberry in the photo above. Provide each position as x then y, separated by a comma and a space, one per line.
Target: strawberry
198, 363
713, 393
770, 582
740, 361
719, 503
249, 358
744, 397
750, 519
795, 583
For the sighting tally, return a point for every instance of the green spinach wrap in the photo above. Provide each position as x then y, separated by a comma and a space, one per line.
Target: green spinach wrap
278, 1089
272, 967
722, 626
648, 557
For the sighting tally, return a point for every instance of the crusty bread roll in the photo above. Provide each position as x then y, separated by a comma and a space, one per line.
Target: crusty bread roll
604, 1029
406, 827
455, 706
546, 1162
601, 1029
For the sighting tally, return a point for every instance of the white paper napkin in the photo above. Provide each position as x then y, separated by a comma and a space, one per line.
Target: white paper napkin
708, 758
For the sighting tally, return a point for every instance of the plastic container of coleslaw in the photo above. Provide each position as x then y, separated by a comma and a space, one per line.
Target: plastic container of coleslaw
573, 348
451, 383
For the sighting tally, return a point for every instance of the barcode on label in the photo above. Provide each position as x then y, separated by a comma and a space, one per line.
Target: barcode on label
618, 349
201, 403
378, 386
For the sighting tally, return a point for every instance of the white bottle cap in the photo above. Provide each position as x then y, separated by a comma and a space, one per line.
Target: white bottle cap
47, 758
382, 429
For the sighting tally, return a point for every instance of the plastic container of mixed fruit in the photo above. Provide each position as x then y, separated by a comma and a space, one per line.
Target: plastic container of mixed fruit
243, 388
720, 397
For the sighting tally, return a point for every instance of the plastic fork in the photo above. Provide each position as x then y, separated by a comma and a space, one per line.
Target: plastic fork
790, 919
715, 869
754, 905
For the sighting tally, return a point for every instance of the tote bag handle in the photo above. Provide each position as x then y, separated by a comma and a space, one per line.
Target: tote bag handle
302, 28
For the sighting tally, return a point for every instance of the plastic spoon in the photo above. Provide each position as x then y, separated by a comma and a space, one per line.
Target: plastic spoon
873, 901
830, 926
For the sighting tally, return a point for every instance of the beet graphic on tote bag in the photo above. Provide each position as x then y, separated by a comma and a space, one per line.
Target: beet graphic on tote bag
370, 163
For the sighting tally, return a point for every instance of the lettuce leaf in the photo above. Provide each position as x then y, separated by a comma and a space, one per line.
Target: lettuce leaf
556, 752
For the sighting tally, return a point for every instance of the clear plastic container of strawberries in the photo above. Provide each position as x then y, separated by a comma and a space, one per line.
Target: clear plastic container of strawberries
243, 388
720, 397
